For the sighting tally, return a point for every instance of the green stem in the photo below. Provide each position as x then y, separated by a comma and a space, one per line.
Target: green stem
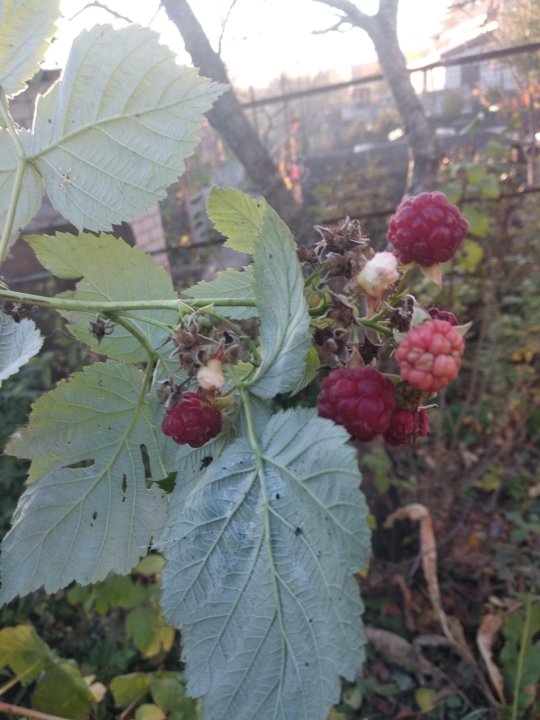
28, 712
521, 658
150, 321
10, 127
96, 306
137, 334
382, 329
401, 286
12, 209
18, 678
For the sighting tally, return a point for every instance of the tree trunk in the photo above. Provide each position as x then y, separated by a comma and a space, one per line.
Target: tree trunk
382, 29
229, 119
425, 159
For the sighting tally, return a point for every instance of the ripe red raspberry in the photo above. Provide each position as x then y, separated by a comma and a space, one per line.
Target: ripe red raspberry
426, 229
437, 314
191, 422
361, 399
429, 356
406, 427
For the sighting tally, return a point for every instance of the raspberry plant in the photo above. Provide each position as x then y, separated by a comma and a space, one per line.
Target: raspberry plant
264, 527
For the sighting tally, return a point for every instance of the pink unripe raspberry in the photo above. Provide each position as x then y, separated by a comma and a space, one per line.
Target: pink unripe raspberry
406, 427
429, 356
437, 314
191, 422
426, 229
379, 274
360, 399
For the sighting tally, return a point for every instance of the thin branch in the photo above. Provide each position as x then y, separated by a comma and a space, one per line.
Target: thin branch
224, 25
154, 16
28, 712
102, 6
335, 28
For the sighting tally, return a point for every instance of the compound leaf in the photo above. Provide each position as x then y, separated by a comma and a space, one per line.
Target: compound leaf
26, 27
93, 441
279, 292
237, 216
111, 270
261, 551
31, 185
110, 137
228, 284
19, 341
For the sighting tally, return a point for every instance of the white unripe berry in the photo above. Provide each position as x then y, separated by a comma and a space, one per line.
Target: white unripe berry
378, 274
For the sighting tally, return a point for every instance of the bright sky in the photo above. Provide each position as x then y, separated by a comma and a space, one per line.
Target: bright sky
263, 38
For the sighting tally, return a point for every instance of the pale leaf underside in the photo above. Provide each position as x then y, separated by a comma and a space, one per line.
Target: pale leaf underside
110, 137
18, 343
92, 441
25, 29
259, 573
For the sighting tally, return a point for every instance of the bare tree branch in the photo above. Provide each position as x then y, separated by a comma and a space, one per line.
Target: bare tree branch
229, 119
102, 6
351, 13
382, 30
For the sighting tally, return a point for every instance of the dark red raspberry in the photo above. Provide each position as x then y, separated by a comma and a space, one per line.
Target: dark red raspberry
406, 427
426, 229
191, 422
437, 314
429, 356
361, 399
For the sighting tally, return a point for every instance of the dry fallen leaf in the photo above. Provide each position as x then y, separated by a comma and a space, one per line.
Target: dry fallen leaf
489, 627
451, 627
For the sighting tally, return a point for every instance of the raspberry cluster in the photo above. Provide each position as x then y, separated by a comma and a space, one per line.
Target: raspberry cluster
426, 229
192, 422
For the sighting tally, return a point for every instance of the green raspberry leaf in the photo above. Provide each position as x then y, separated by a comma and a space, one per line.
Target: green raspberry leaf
111, 137
237, 216
111, 271
93, 441
279, 291
261, 550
